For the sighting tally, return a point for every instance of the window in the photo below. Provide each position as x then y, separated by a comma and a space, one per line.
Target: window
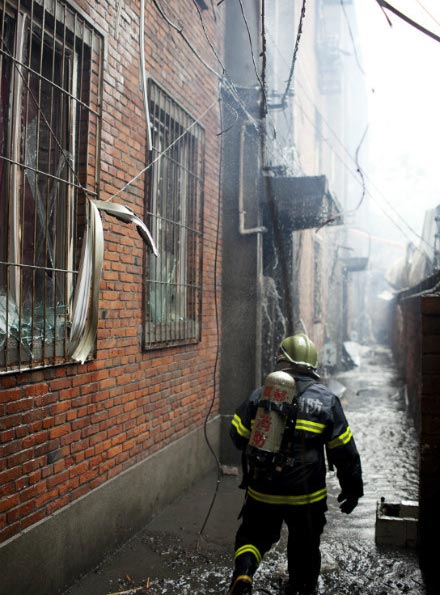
49, 131
174, 214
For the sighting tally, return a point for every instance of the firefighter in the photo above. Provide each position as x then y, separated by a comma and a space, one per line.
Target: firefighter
289, 486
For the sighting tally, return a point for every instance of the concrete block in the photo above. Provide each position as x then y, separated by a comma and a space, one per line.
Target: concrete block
397, 523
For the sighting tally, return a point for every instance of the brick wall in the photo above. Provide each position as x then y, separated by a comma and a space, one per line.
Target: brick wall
66, 430
417, 349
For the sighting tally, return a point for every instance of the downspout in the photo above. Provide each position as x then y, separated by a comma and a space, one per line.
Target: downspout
259, 230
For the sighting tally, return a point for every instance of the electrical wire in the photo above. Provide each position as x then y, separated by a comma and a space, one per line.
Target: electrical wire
349, 167
162, 153
221, 77
217, 323
202, 22
354, 173
364, 189
185, 39
350, 32
428, 12
383, 4
257, 74
295, 52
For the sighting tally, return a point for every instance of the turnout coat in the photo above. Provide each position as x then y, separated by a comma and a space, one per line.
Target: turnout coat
320, 426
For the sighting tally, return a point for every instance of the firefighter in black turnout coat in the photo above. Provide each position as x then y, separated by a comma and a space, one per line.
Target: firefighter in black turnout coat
290, 486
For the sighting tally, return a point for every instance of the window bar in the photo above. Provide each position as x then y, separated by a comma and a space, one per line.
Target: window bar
185, 309
13, 141
45, 34
200, 214
26, 161
172, 208
67, 59
67, 204
150, 210
52, 194
98, 115
76, 112
3, 59
88, 84
152, 288
165, 228
161, 171
192, 204
164, 170
195, 234
167, 214
32, 182
18, 174
176, 208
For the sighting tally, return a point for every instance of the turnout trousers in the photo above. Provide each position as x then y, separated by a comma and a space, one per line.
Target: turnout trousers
261, 528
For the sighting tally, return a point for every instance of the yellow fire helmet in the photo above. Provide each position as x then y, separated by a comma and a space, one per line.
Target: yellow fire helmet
298, 350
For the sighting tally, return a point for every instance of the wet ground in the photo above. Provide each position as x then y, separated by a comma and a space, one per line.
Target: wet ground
171, 556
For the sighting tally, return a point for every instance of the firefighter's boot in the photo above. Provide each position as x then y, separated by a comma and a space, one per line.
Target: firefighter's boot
245, 566
241, 585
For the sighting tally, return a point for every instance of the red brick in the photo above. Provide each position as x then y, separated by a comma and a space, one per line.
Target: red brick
34, 439
36, 390
10, 502
59, 431
9, 395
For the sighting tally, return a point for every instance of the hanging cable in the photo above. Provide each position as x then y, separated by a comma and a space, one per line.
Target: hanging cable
348, 167
211, 45
354, 174
364, 188
257, 74
227, 83
401, 15
217, 323
427, 12
353, 42
295, 52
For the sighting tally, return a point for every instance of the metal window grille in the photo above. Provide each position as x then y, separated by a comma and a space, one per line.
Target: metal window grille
50, 97
173, 296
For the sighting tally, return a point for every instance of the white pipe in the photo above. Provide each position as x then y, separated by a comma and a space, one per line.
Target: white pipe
144, 73
241, 210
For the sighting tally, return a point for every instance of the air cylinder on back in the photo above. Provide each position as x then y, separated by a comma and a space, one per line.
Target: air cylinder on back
267, 433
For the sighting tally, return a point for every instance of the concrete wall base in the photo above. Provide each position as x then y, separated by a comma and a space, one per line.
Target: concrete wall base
47, 557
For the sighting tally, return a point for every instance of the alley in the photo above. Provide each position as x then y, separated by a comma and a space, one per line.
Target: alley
171, 557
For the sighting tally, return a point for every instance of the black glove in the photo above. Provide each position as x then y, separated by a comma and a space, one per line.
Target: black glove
348, 502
